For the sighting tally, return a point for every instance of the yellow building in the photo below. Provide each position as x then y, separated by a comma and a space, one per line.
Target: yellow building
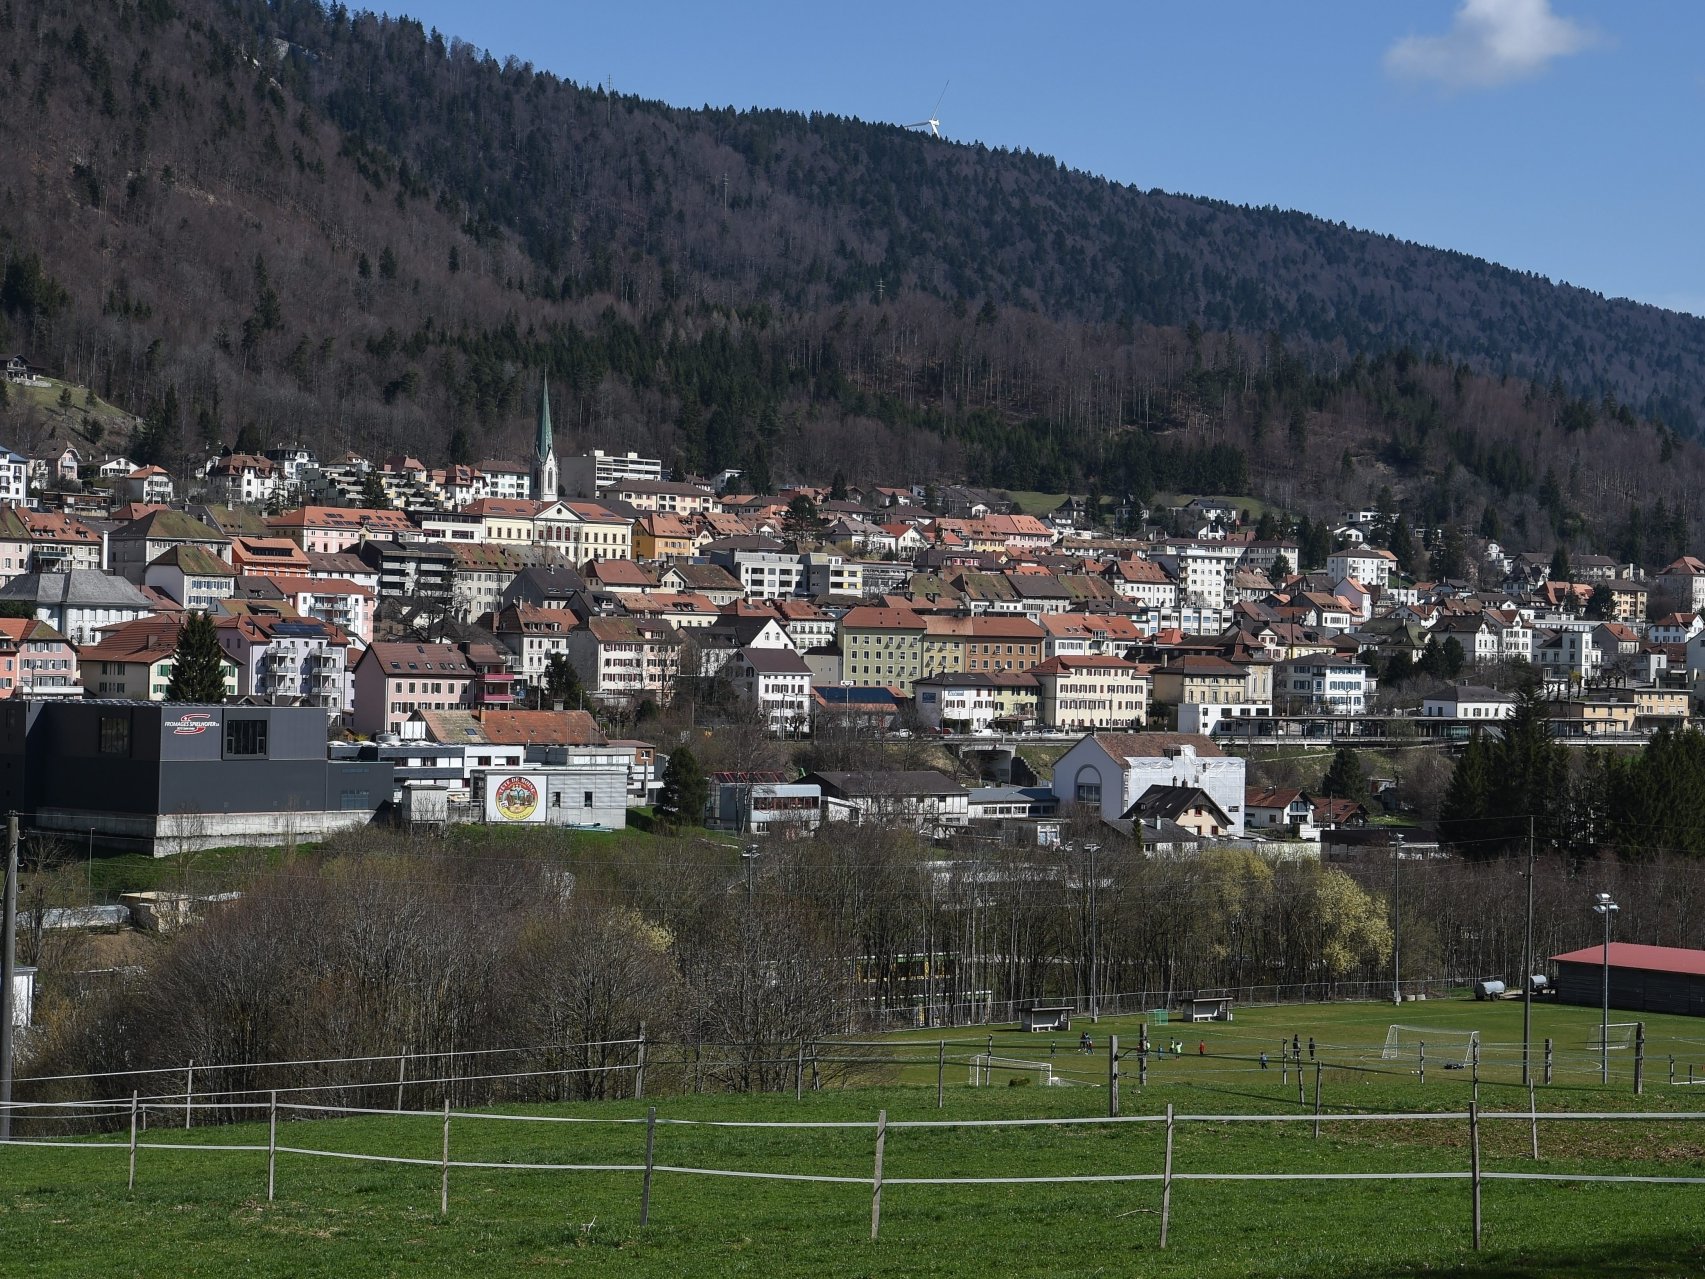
662, 537
980, 645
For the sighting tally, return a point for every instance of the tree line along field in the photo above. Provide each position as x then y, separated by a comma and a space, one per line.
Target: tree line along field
67, 1212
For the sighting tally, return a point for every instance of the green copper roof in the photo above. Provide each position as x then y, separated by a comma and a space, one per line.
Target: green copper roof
545, 447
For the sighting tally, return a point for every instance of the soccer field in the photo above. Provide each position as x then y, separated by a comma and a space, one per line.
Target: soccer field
67, 1212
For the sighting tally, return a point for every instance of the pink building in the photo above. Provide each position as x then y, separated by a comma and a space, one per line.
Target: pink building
393, 680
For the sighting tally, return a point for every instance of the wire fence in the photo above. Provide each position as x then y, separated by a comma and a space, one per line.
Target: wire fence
929, 1011
643, 1163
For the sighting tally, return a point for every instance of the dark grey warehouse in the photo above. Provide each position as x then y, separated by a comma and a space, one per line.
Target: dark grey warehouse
163, 777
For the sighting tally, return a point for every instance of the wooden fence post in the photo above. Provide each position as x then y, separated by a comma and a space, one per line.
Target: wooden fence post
1474, 1164
650, 1150
639, 1072
402, 1074
1112, 1076
1166, 1181
132, 1184
1284, 1064
876, 1180
189, 1089
1422, 1051
1474, 1061
1143, 1055
1301, 1099
1317, 1101
1672, 1070
1548, 1060
799, 1074
1639, 1058
444, 1167
1533, 1116
941, 1074
272, 1145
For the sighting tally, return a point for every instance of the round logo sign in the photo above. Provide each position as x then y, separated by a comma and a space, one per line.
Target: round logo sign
517, 799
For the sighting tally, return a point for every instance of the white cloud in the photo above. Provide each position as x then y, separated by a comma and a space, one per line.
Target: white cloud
1490, 42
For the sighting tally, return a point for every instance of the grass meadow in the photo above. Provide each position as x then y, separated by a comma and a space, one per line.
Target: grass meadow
67, 1212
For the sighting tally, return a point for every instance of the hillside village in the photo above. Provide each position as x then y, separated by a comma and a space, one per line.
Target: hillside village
447, 623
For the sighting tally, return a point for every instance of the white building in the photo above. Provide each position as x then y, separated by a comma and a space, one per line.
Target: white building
1467, 702
1341, 685
1369, 565
1111, 771
14, 476
959, 702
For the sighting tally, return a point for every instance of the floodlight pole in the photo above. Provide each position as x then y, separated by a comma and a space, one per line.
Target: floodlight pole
1527, 970
1606, 907
8, 962
1397, 921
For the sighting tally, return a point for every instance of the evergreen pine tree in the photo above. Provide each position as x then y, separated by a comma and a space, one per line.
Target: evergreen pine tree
838, 488
685, 790
373, 495
198, 670
1560, 570
1465, 804
1345, 778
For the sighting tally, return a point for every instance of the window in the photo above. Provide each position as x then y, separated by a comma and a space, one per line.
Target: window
586, 799
115, 735
245, 737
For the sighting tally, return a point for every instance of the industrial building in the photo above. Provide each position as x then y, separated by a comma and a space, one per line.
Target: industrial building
170, 777
1654, 979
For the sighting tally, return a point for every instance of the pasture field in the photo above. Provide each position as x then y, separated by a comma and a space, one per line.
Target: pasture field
67, 1212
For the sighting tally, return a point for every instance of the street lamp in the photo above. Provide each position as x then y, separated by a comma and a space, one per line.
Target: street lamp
1603, 904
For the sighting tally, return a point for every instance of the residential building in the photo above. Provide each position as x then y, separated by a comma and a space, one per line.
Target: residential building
881, 647
14, 476
136, 545
134, 661
984, 644
1109, 772
959, 702
79, 603
242, 477
1076, 693
1369, 565
191, 575
1199, 678
43, 663
1340, 685
625, 658
45, 541
330, 529
778, 683
591, 474
393, 680
150, 484
289, 661
534, 636
927, 801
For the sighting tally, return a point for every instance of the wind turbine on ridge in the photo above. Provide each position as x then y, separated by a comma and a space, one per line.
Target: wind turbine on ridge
933, 124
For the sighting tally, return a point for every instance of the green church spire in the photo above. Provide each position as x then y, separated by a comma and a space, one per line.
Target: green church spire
544, 447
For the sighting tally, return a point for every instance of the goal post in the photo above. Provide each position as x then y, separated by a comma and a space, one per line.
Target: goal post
988, 1070
1403, 1043
1621, 1036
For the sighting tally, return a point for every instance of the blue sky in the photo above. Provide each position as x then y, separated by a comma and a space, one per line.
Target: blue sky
1556, 136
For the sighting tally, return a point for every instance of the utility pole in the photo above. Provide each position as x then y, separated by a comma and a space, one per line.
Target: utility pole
1397, 920
8, 960
1527, 970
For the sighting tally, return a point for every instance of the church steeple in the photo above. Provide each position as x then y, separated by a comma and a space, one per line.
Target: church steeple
544, 462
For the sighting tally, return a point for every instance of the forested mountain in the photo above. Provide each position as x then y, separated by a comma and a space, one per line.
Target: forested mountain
259, 220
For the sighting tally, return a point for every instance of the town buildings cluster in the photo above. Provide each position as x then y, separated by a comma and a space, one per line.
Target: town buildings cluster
419, 606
